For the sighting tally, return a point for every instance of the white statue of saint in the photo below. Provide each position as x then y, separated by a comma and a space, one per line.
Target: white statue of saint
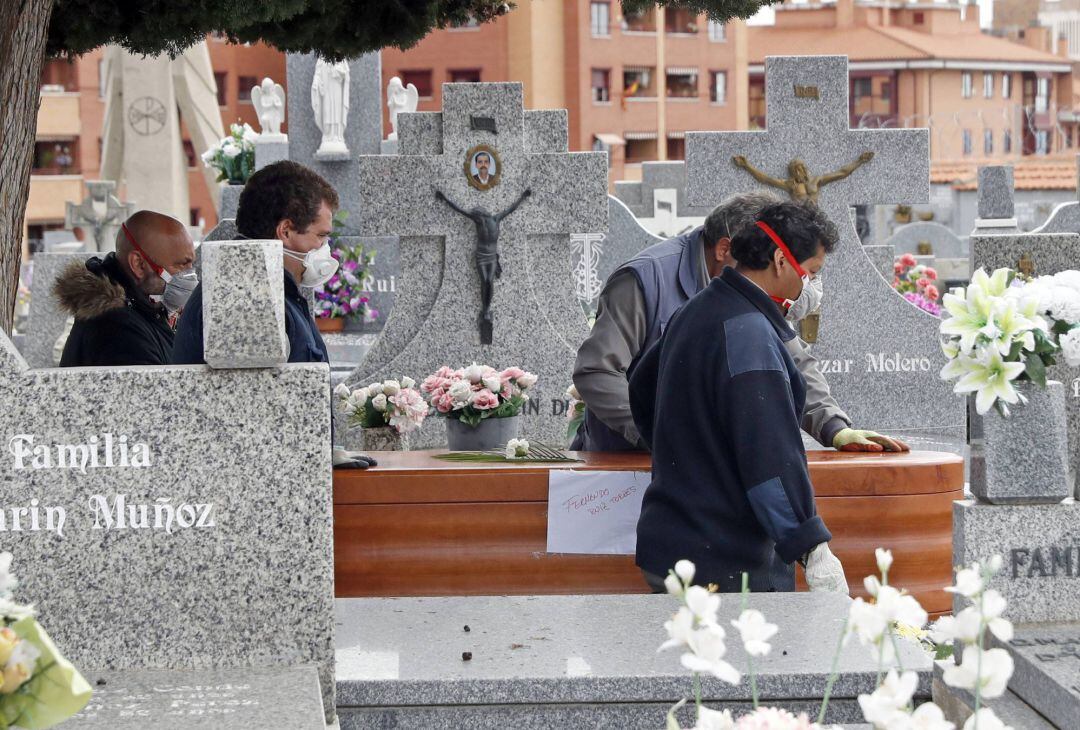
330, 102
399, 99
269, 101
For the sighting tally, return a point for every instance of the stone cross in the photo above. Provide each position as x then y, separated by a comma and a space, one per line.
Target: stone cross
99, 215
879, 353
538, 323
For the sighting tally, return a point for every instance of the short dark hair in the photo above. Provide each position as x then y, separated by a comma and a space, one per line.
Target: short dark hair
800, 225
285, 190
485, 154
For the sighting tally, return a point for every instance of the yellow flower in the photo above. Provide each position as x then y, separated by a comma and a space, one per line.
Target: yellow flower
8, 639
14, 677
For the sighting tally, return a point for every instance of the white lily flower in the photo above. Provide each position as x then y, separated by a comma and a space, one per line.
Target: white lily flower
993, 605
985, 719
685, 570
963, 627
755, 632
673, 585
897, 607
702, 604
991, 673
888, 704
928, 716
969, 582
884, 559
872, 584
707, 650
679, 629
714, 720
990, 378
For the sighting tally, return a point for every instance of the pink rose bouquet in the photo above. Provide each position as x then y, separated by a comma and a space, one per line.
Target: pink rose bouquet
915, 282
476, 392
392, 403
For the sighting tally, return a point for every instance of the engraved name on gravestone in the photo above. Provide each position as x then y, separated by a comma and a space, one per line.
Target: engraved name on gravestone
537, 322
1047, 670
879, 353
175, 517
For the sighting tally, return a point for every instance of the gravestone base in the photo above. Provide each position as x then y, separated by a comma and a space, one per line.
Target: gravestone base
958, 705
579, 661
1047, 670
388, 147
215, 699
230, 200
271, 148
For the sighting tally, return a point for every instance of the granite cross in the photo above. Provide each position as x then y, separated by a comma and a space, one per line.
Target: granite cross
101, 213
537, 321
879, 352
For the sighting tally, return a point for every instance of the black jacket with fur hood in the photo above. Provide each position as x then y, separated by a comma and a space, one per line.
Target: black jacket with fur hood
115, 323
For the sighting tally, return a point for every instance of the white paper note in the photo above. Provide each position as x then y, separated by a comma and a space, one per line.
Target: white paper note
594, 512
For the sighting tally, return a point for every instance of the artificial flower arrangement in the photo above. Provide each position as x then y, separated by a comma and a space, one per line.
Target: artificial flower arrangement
878, 624
343, 295
1003, 328
392, 403
477, 392
234, 156
39, 688
915, 282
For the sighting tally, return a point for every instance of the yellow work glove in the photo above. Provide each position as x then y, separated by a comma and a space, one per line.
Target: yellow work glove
850, 439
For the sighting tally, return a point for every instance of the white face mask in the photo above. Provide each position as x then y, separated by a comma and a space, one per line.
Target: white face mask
809, 299
319, 265
178, 289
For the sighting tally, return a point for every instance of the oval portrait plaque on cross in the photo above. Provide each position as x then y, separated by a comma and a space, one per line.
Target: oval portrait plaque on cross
483, 168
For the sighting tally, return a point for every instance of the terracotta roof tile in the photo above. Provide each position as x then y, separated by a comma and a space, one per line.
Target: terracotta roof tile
1029, 173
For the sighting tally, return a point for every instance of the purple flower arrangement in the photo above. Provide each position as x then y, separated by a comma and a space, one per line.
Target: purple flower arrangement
344, 295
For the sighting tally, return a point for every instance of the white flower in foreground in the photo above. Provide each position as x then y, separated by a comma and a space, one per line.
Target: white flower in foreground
673, 585
492, 383
884, 559
963, 627
474, 373
969, 582
993, 605
572, 393
374, 389
714, 720
985, 719
230, 150
992, 676
391, 387
685, 570
460, 391
755, 632
209, 155
872, 585
517, 449
990, 378
702, 604
342, 391
1070, 347
249, 134
407, 382
888, 704
679, 629
928, 716
360, 396
897, 607
8, 581
527, 381
706, 654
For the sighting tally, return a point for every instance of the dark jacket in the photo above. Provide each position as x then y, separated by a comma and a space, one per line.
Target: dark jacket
115, 323
305, 342
718, 400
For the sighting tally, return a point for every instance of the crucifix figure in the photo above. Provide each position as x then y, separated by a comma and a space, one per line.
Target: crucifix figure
800, 185
487, 253
99, 215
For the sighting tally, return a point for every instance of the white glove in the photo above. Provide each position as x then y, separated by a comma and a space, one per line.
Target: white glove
824, 571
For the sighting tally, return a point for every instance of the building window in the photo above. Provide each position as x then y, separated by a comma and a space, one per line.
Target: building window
246, 83
676, 148
638, 82
871, 99
601, 85
717, 32
464, 75
421, 79
220, 80
55, 158
194, 214
919, 18
1006, 142
756, 99
600, 19
718, 87
1006, 86
639, 21
1042, 142
189, 153
988, 85
680, 20
682, 83
988, 142
966, 85
1042, 94
967, 142
640, 147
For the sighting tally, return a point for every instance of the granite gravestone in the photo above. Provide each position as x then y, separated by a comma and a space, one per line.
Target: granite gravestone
1046, 673
47, 319
996, 207
879, 353
597, 255
538, 323
659, 200
928, 239
175, 517
1065, 218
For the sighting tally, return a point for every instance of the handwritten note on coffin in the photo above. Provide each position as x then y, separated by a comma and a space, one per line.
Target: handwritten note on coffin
594, 512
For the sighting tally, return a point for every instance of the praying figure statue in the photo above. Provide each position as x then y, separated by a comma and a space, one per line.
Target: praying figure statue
399, 98
330, 102
487, 254
801, 185
269, 101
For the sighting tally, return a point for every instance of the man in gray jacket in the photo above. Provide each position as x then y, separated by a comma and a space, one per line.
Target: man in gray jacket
638, 300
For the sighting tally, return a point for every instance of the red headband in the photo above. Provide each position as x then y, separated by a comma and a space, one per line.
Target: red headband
131, 239
782, 246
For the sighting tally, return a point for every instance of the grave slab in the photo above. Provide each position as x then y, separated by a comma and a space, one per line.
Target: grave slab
1047, 670
958, 705
880, 353
211, 699
537, 321
1041, 574
588, 656
47, 319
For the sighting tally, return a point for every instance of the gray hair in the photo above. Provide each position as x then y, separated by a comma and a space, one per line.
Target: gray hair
736, 213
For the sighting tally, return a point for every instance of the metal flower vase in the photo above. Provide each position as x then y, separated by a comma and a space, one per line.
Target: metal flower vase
491, 433
1027, 456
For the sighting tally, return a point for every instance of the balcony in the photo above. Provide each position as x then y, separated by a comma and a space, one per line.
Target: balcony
678, 21
643, 21
48, 193
58, 116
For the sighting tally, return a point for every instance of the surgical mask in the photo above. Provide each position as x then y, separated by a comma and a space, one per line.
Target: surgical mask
178, 286
809, 300
319, 265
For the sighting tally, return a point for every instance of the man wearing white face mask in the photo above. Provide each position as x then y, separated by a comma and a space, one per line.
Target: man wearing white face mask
124, 304
295, 205
642, 295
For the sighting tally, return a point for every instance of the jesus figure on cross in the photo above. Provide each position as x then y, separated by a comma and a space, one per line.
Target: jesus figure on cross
801, 185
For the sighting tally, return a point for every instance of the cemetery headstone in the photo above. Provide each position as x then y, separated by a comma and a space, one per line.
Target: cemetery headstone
882, 257
659, 200
61, 242
997, 211
47, 319
1065, 218
185, 492
1046, 672
99, 215
597, 255
537, 322
879, 353
929, 239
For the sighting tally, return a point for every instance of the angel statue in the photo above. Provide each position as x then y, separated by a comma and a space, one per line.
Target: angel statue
269, 101
330, 102
399, 99
801, 185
